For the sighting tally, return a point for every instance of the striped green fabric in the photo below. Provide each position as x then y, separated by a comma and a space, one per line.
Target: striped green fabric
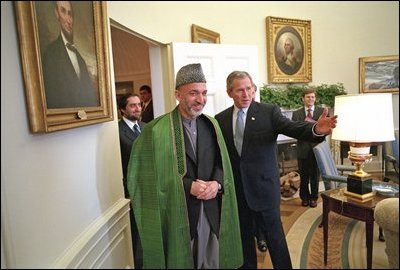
156, 168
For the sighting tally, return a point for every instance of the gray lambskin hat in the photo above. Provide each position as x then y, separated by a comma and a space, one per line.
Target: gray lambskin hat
192, 73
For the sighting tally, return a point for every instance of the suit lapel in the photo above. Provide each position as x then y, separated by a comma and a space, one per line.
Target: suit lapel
188, 147
128, 132
251, 121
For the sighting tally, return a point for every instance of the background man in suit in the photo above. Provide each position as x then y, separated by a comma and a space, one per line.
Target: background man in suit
181, 185
147, 103
309, 172
255, 166
130, 108
66, 77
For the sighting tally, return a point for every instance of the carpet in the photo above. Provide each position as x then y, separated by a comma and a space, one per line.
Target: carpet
297, 194
346, 245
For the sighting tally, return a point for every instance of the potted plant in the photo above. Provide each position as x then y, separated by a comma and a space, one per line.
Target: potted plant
289, 98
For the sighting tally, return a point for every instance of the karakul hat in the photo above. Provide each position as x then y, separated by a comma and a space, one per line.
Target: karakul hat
192, 73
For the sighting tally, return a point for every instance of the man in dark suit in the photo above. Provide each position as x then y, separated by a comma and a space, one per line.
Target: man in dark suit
147, 103
66, 77
309, 172
255, 167
129, 129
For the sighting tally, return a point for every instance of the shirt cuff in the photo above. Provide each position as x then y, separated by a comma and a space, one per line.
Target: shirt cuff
315, 133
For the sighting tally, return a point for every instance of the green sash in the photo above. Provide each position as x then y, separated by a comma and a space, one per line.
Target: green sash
155, 172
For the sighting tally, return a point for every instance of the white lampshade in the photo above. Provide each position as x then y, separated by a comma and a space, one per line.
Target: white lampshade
364, 118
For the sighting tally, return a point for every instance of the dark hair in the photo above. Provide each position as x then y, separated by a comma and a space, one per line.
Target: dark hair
308, 91
145, 88
124, 100
237, 75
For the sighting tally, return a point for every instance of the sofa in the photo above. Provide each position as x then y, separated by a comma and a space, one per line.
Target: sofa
387, 216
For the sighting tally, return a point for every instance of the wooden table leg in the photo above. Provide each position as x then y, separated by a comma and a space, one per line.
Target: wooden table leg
369, 235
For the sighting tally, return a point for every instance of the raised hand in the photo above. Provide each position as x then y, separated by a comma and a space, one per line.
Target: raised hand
325, 124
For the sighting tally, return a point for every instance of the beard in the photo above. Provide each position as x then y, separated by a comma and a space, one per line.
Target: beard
133, 117
195, 113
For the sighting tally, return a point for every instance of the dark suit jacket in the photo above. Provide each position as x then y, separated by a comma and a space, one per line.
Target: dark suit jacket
126, 139
148, 114
256, 172
304, 147
63, 88
206, 165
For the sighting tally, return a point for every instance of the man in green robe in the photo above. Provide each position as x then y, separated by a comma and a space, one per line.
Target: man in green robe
181, 185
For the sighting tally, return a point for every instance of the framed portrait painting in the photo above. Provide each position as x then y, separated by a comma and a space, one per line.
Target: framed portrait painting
288, 50
203, 35
379, 74
65, 61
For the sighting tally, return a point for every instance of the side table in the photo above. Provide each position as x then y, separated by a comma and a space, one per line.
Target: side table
335, 200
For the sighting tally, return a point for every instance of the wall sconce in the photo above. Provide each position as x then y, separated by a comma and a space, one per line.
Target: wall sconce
362, 120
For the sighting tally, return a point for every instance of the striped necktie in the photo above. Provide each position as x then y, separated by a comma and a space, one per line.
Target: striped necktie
136, 129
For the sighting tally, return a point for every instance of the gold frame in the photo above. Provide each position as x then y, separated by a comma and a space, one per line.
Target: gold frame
299, 31
383, 85
41, 118
202, 35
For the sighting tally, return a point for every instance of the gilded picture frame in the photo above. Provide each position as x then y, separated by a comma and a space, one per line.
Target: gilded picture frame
49, 106
288, 50
203, 35
379, 74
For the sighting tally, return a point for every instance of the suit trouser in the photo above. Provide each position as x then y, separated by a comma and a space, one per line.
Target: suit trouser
275, 238
270, 223
309, 174
136, 242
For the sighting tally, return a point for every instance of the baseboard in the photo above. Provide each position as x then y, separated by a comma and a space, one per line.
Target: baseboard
106, 243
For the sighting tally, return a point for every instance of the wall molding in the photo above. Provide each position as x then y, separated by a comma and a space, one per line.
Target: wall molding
109, 236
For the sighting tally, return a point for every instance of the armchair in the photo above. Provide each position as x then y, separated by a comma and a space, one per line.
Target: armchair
327, 167
387, 216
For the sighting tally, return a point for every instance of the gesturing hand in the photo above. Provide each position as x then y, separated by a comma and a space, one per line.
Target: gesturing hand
325, 124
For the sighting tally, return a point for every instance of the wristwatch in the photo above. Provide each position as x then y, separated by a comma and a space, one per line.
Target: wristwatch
219, 187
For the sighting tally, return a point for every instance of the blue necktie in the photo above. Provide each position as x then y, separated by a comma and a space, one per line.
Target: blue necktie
239, 130
136, 129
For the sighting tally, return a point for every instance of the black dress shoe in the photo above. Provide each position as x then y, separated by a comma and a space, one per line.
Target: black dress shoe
262, 245
304, 203
313, 203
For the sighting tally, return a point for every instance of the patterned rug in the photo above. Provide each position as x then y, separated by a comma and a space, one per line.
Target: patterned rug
346, 245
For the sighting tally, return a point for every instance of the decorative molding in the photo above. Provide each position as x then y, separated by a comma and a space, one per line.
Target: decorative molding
105, 238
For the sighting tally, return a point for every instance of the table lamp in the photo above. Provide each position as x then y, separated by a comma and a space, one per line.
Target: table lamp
362, 120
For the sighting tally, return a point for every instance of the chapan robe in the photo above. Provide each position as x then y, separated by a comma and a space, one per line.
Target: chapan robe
155, 172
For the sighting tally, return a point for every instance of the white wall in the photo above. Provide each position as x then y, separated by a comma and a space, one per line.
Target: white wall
56, 186
341, 32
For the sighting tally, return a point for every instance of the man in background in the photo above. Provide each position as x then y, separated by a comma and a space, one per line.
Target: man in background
66, 77
309, 172
129, 129
147, 103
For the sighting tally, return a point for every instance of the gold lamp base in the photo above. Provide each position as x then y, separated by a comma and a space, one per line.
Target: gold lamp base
362, 198
359, 183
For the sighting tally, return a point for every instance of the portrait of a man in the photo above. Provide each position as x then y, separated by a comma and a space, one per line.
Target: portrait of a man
289, 51
67, 44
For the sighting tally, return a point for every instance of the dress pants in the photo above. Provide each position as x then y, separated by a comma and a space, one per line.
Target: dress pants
309, 174
275, 238
270, 223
